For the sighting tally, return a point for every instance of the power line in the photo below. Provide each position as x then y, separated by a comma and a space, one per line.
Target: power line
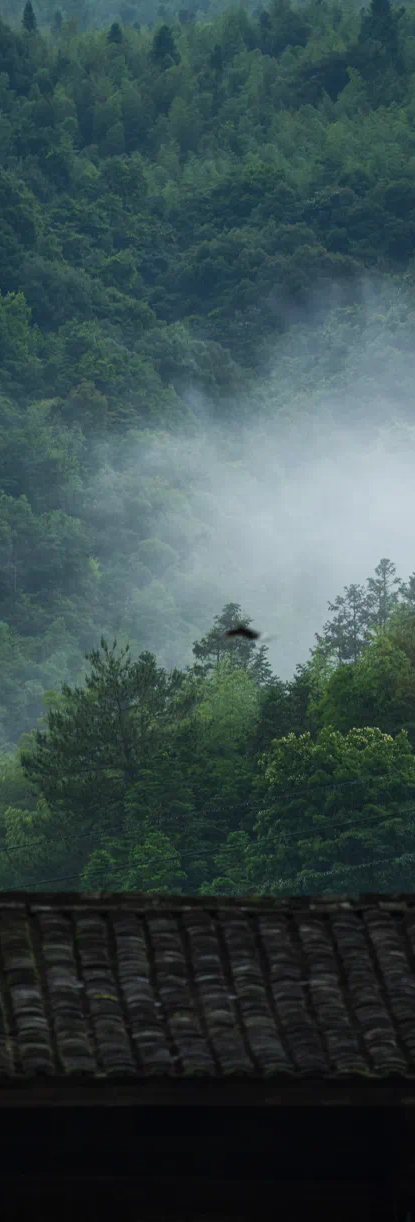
285, 838
122, 870
374, 862
321, 873
299, 814
363, 865
410, 810
18, 848
66, 877
287, 794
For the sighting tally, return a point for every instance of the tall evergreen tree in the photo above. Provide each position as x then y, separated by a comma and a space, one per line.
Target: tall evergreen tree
29, 22
407, 594
101, 737
260, 668
115, 33
57, 22
215, 647
274, 716
164, 51
349, 630
358, 611
383, 598
381, 24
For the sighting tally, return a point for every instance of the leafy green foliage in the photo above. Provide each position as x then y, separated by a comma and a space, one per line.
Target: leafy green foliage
173, 195
334, 809
203, 781
358, 612
237, 652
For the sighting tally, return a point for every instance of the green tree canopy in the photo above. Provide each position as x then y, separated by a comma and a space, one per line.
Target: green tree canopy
29, 22
99, 741
338, 814
237, 652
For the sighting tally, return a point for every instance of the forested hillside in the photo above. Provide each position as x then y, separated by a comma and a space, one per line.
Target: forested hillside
206, 250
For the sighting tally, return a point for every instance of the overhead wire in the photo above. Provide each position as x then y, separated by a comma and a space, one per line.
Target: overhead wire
314, 831
364, 864
370, 780
124, 869
286, 795
283, 797
321, 873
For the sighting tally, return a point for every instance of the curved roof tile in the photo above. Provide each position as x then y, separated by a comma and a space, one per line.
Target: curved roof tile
139, 986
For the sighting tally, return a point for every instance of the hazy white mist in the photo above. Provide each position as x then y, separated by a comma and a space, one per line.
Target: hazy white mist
277, 512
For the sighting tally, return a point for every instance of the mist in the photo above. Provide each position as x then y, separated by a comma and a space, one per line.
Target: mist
300, 491
299, 521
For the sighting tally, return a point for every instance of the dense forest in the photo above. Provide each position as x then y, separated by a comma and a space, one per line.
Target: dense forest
206, 252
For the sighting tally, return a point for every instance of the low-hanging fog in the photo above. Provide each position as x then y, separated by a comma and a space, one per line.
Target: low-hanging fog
301, 491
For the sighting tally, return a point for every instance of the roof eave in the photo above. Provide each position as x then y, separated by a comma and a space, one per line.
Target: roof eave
351, 1091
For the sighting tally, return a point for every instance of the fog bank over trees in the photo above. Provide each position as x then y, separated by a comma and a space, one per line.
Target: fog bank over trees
207, 326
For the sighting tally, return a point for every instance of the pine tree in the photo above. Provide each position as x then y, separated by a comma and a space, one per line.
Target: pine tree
164, 50
215, 646
115, 33
29, 22
380, 24
216, 60
273, 715
260, 668
358, 611
57, 22
104, 759
349, 630
407, 593
101, 734
383, 598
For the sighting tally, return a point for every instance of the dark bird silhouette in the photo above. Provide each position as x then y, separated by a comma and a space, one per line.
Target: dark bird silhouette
243, 631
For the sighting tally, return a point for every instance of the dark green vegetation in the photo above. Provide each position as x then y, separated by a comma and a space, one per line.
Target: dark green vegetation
220, 777
175, 205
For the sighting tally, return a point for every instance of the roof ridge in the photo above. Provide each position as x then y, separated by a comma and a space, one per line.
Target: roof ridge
145, 901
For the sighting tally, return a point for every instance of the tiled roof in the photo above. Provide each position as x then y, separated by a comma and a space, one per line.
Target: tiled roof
134, 986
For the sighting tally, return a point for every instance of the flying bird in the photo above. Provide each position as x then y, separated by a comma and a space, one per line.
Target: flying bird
242, 630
